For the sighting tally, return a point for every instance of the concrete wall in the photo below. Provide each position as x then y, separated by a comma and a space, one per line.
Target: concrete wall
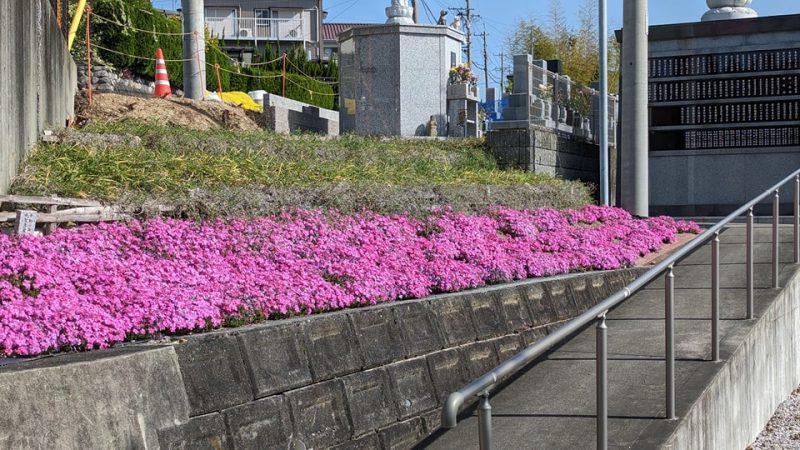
285, 115
545, 150
369, 378
760, 374
37, 80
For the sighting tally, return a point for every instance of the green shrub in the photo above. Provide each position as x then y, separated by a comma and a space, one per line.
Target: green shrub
139, 14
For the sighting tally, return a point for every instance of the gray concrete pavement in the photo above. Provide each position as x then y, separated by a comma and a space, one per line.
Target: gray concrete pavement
551, 404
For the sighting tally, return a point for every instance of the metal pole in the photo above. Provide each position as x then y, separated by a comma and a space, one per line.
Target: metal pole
715, 298
796, 208
603, 112
775, 237
750, 264
320, 26
194, 49
669, 337
602, 383
415, 5
634, 176
485, 422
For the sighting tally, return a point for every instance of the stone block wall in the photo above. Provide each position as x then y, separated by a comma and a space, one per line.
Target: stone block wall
545, 150
369, 378
107, 79
284, 115
364, 378
37, 80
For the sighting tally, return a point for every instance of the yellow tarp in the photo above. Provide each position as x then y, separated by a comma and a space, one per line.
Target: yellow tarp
241, 99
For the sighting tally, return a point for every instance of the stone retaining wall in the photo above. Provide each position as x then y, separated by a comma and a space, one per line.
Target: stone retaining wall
368, 378
544, 150
107, 79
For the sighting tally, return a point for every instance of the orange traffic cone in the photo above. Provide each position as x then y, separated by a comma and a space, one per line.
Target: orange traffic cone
163, 89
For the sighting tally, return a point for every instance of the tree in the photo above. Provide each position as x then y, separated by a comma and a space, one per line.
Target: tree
576, 48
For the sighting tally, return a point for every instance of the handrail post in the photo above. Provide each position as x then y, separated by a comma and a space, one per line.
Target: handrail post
715, 298
749, 259
775, 238
602, 383
796, 207
669, 337
485, 422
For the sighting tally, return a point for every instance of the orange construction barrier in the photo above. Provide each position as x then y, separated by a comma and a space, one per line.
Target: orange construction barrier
163, 88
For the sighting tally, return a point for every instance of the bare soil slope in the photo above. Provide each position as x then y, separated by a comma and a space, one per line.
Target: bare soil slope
172, 112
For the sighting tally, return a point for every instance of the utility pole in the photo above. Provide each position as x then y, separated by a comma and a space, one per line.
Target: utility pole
466, 13
502, 73
320, 37
485, 63
635, 175
468, 25
194, 49
415, 5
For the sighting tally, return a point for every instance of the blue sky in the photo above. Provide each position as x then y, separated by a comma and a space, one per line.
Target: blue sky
500, 16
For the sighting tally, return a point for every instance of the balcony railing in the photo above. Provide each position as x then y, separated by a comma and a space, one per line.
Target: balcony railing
257, 29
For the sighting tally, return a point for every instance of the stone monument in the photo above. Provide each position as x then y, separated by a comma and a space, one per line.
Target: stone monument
729, 9
724, 110
400, 13
394, 77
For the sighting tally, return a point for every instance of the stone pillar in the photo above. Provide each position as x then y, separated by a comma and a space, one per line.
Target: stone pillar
194, 49
728, 10
634, 176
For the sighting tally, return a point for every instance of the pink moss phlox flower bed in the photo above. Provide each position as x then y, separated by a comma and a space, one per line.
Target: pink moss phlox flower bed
92, 286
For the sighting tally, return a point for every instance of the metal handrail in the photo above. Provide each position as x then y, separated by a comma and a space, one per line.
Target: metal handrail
482, 386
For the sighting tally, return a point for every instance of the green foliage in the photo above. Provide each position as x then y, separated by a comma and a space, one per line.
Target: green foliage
221, 172
139, 15
577, 48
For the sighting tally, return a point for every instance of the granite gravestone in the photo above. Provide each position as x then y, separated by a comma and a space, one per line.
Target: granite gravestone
724, 109
394, 77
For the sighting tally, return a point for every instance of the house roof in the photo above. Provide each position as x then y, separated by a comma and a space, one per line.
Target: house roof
331, 31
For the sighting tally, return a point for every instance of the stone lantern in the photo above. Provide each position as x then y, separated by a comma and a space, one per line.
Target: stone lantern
729, 9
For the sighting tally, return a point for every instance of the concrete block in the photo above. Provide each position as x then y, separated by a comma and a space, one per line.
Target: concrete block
539, 305
507, 346
580, 289
366, 442
413, 387
479, 358
378, 336
403, 435
370, 401
533, 335
455, 319
486, 313
260, 424
512, 305
108, 399
276, 358
332, 346
448, 371
200, 433
432, 421
419, 327
561, 299
213, 373
320, 414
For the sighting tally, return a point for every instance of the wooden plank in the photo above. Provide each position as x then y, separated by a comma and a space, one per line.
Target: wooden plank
32, 200
76, 215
